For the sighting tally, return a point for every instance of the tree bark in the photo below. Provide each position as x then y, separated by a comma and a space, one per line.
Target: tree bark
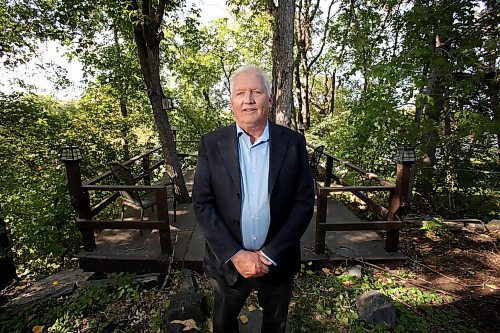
282, 93
147, 36
123, 104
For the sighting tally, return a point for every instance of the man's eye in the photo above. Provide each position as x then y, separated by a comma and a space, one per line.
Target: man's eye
257, 92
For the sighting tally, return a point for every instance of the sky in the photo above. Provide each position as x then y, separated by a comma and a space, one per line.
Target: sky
38, 79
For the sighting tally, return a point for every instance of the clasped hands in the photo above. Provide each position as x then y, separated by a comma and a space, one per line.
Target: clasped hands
251, 264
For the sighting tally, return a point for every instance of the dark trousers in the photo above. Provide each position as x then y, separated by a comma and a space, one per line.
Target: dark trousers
274, 298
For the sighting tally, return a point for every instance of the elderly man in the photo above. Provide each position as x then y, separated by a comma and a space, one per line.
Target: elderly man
253, 197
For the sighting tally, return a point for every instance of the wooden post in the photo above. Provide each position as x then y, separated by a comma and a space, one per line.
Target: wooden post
328, 171
161, 201
399, 198
80, 201
146, 164
7, 266
321, 206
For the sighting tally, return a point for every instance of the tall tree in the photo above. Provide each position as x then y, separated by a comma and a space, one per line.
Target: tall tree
148, 35
282, 93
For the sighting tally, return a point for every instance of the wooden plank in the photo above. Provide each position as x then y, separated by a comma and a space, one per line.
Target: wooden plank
122, 187
375, 225
369, 175
355, 188
119, 224
104, 203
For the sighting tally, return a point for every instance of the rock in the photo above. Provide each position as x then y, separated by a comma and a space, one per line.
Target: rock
354, 271
60, 284
188, 283
493, 225
375, 308
147, 281
187, 309
184, 306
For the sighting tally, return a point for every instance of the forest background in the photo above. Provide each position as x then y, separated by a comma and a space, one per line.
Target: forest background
369, 76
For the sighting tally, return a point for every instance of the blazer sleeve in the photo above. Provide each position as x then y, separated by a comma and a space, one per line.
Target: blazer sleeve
300, 214
213, 228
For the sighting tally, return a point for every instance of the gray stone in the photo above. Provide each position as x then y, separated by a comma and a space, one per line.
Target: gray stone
188, 283
184, 306
60, 284
375, 308
147, 281
255, 321
354, 271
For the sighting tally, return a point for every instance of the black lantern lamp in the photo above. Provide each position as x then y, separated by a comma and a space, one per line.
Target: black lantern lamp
405, 155
301, 128
71, 154
167, 103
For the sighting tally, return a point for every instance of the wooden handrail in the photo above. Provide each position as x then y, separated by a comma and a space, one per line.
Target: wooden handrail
108, 173
118, 224
368, 175
104, 203
123, 187
371, 225
355, 188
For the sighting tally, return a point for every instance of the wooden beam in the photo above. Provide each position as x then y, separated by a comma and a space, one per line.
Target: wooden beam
122, 187
119, 224
369, 225
355, 188
104, 203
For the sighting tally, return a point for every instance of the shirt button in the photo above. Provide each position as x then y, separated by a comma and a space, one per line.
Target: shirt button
254, 238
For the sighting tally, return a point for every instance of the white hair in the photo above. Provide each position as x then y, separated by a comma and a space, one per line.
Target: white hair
251, 68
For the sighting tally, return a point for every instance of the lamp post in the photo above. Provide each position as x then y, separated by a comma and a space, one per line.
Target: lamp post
400, 196
301, 128
71, 157
167, 103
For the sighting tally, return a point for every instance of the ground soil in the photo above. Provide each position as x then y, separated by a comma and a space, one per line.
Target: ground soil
464, 263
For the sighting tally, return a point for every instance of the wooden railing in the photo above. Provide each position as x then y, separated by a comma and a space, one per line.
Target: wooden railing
399, 194
80, 199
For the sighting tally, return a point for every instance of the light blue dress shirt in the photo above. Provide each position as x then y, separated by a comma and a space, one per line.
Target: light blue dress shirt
254, 168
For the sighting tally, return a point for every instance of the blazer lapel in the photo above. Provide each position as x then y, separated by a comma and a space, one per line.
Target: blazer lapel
277, 153
228, 146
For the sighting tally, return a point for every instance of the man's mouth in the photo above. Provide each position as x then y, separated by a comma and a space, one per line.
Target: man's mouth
249, 110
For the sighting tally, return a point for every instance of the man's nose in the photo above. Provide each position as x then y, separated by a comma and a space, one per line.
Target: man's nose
249, 98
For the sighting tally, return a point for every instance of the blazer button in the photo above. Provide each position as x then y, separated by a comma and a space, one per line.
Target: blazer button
238, 195
236, 222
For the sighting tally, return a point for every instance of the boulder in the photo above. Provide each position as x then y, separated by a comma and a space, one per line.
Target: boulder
373, 307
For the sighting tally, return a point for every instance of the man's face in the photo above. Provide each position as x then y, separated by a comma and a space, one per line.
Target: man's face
250, 102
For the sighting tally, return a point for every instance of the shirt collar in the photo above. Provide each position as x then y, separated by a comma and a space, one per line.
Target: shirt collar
263, 138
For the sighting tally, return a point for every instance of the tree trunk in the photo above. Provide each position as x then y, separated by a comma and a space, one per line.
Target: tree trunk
7, 266
332, 99
123, 104
282, 61
147, 38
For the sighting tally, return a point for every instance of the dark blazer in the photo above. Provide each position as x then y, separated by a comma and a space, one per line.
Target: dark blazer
217, 201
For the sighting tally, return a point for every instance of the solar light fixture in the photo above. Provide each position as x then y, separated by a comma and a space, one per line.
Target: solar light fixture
167, 103
71, 153
405, 155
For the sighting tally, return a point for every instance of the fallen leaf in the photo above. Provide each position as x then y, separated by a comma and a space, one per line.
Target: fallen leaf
188, 324
56, 283
37, 329
21, 287
325, 270
252, 308
244, 319
347, 283
492, 286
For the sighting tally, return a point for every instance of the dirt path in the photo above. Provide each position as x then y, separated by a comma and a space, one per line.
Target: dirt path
464, 263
